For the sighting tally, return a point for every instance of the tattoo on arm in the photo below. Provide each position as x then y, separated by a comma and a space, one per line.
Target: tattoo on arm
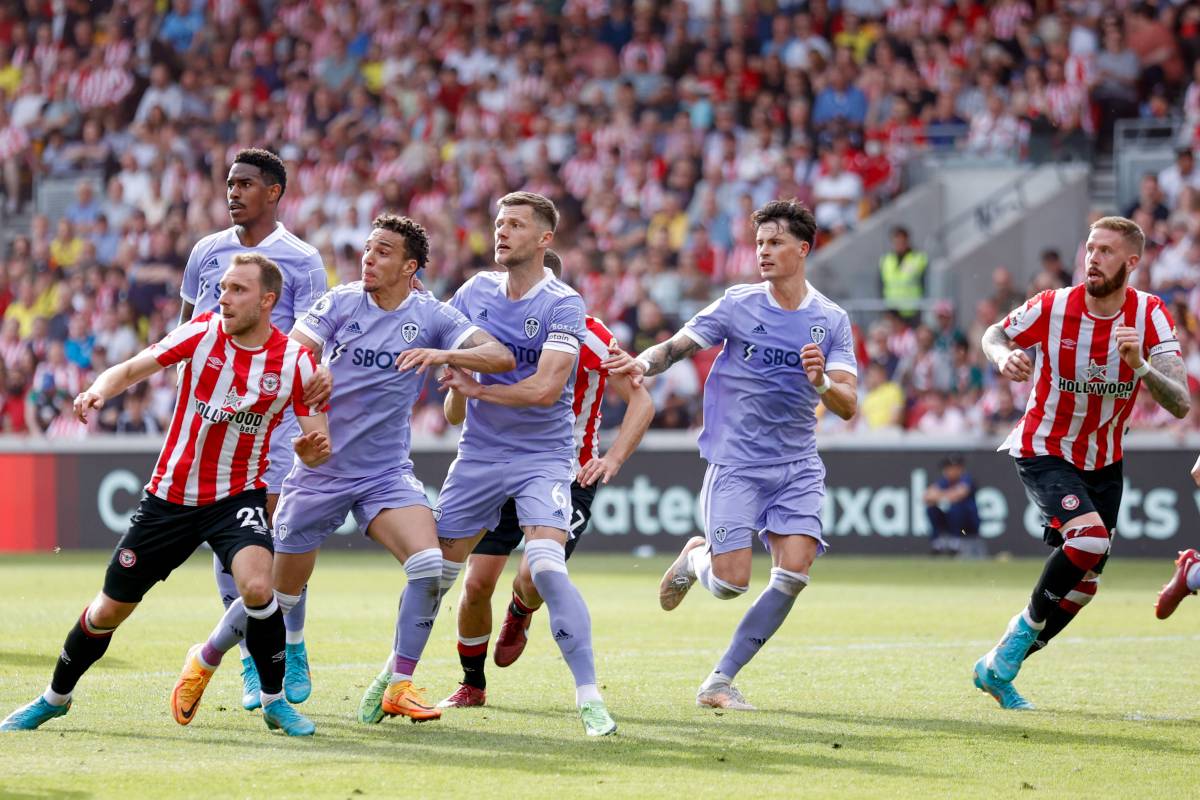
662, 356
1167, 382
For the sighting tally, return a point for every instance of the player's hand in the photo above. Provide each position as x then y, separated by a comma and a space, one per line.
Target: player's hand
422, 358
313, 448
460, 381
1129, 345
319, 388
621, 363
601, 469
813, 361
85, 401
1016, 366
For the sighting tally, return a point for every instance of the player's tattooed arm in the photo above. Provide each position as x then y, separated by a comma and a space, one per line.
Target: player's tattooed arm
1011, 362
1168, 384
659, 358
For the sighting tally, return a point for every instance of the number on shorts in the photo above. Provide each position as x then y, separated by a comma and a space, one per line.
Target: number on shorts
246, 515
556, 495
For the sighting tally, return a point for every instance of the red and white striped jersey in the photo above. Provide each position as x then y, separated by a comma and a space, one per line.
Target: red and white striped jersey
229, 400
1083, 391
589, 390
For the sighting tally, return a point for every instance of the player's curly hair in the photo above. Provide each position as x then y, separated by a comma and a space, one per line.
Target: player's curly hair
793, 214
416, 240
271, 166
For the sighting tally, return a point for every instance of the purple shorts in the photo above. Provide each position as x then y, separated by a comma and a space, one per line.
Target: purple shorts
740, 501
312, 506
280, 455
475, 491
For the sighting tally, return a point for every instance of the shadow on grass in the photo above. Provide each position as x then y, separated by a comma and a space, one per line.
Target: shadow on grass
8, 793
47, 660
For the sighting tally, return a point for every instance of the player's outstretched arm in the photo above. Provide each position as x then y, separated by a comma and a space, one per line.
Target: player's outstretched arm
542, 388
113, 381
639, 412
482, 352
1010, 361
319, 388
655, 359
313, 446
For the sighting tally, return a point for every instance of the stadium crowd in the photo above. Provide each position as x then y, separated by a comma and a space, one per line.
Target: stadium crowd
655, 127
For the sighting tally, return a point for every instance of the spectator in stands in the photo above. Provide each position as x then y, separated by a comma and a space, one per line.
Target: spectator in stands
903, 276
951, 508
1005, 296
837, 195
995, 133
1180, 175
1053, 274
882, 406
1150, 199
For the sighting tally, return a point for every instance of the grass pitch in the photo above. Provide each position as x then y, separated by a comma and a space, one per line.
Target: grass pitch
865, 692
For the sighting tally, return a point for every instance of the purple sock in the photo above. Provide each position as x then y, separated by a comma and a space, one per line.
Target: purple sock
762, 620
210, 655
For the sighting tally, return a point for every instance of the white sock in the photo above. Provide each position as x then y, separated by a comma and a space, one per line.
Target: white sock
698, 558
1193, 577
54, 698
714, 679
295, 637
400, 676
587, 693
244, 650
1037, 626
267, 699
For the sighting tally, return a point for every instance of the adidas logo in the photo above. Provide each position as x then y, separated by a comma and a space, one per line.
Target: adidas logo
353, 328
426, 624
483, 314
561, 634
558, 512
758, 642
759, 329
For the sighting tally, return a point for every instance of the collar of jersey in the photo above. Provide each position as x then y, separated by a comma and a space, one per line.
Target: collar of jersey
243, 347
371, 302
271, 237
537, 287
808, 296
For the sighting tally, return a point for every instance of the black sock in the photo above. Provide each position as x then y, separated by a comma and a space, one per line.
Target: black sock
519, 609
266, 641
1059, 618
1058, 577
81, 649
473, 672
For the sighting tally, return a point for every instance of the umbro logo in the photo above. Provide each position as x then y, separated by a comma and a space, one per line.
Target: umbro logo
483, 314
758, 329
353, 327
215, 362
561, 634
279, 657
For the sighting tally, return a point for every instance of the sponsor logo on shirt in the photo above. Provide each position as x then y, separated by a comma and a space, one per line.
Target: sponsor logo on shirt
215, 362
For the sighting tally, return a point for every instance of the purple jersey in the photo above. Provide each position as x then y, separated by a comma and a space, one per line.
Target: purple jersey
549, 317
303, 273
372, 402
759, 407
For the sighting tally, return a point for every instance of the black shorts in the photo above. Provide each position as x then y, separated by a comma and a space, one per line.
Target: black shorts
508, 534
163, 535
1062, 491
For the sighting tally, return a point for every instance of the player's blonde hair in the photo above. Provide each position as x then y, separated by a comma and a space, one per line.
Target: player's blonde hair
270, 278
1130, 231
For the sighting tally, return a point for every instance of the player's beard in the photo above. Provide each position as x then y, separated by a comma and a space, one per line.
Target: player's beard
1110, 285
234, 327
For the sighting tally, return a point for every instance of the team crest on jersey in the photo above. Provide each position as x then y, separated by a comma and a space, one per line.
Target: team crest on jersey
437, 514
532, 326
1070, 502
817, 333
281, 531
126, 558
720, 533
269, 383
409, 331
215, 362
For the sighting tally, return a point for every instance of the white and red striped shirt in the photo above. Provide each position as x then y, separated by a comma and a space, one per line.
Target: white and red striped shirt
1083, 391
229, 400
589, 390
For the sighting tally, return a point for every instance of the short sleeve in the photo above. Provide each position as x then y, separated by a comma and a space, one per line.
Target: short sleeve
1027, 324
710, 326
180, 344
596, 346
308, 286
191, 277
1160, 330
460, 299
451, 326
306, 367
841, 357
567, 328
321, 321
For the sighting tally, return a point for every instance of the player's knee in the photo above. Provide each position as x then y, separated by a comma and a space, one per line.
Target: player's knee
104, 612
1086, 545
256, 590
724, 590
733, 574
478, 588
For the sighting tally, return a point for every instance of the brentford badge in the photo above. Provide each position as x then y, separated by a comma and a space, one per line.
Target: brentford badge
1070, 502
532, 326
126, 558
269, 383
409, 331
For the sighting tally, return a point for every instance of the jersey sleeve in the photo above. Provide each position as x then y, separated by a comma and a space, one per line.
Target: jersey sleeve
596, 345
306, 366
309, 285
451, 326
180, 344
461, 298
190, 287
1027, 324
1160, 330
841, 357
567, 328
322, 320
710, 326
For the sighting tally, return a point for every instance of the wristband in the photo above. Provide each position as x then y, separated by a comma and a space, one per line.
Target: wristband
1142, 370
825, 384
645, 364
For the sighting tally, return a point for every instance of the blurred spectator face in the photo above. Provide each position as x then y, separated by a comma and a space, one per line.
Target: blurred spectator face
876, 376
952, 471
900, 241
249, 197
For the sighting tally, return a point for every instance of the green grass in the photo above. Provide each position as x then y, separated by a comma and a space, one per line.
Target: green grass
865, 692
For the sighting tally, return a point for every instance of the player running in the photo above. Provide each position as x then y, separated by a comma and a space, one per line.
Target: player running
764, 475
255, 185
1092, 343
378, 336
239, 373
491, 554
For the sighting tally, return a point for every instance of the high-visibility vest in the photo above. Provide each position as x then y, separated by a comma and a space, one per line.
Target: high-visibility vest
902, 287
